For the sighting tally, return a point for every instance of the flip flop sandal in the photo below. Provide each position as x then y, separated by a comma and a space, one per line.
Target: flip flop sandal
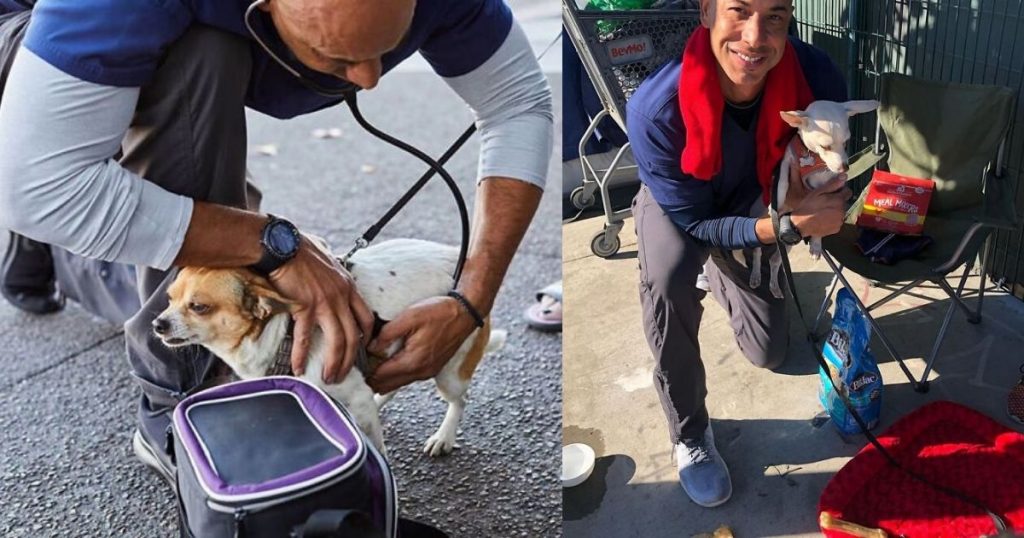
546, 314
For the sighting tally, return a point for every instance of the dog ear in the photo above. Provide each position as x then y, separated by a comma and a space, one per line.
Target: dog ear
262, 301
795, 118
860, 107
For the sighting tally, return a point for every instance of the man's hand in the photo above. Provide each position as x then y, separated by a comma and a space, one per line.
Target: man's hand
820, 212
433, 331
435, 328
326, 296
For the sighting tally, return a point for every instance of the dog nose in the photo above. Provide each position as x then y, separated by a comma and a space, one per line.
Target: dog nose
161, 325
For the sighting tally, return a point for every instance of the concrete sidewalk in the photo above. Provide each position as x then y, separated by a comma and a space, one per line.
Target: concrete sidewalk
779, 457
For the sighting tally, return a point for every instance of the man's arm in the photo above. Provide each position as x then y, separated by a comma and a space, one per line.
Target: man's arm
512, 103
657, 145
59, 184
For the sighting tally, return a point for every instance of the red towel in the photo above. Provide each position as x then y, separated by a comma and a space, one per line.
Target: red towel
701, 102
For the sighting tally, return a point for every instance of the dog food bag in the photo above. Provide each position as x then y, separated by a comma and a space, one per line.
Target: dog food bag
852, 367
896, 204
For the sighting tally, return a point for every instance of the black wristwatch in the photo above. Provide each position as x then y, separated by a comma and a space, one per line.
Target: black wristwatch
280, 240
788, 232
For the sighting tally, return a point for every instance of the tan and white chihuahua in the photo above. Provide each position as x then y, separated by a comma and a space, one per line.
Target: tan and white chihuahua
239, 317
819, 148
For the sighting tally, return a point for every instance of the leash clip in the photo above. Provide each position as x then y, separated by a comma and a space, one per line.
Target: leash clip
361, 243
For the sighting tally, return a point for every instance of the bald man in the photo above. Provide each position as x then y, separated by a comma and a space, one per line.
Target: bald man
125, 144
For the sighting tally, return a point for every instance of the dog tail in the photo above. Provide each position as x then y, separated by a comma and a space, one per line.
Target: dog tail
496, 340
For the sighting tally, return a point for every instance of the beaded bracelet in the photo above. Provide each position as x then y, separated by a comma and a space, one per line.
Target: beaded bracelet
477, 318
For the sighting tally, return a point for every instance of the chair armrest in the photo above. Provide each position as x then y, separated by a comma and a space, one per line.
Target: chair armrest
863, 161
998, 210
999, 223
962, 251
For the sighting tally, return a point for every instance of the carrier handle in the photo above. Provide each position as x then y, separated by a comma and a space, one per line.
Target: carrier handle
336, 524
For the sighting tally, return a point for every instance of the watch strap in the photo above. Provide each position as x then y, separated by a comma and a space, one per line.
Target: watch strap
788, 232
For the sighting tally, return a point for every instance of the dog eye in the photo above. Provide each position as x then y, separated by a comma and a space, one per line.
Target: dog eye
198, 308
827, 148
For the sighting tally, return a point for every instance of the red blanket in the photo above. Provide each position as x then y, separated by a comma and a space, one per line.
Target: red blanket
702, 103
950, 445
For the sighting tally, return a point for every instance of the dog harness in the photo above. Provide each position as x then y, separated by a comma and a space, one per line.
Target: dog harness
282, 364
810, 163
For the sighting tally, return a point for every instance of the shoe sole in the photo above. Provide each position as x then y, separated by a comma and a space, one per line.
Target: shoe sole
148, 458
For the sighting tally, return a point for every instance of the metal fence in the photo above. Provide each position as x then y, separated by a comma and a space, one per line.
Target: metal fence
972, 41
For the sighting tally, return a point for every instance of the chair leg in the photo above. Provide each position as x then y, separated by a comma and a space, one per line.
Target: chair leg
957, 301
938, 341
919, 386
824, 304
957, 296
976, 319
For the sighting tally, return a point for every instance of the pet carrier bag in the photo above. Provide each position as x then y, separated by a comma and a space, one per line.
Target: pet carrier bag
277, 457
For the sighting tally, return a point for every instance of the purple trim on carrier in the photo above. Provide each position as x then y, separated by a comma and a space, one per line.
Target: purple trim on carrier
321, 410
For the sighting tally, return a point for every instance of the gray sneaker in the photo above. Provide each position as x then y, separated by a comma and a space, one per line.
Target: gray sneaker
702, 472
149, 457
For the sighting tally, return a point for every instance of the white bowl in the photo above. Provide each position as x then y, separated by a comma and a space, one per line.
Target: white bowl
577, 464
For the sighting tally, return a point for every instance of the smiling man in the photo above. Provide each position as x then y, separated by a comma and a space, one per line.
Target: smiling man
125, 141
707, 136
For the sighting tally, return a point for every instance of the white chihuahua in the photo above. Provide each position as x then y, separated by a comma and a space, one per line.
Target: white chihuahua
820, 150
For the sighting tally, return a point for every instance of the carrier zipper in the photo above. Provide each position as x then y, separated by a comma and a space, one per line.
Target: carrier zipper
239, 521
390, 493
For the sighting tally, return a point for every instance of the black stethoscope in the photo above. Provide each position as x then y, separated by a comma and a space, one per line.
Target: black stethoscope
349, 96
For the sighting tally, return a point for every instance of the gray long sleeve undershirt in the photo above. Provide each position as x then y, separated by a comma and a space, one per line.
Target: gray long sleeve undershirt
60, 185
58, 181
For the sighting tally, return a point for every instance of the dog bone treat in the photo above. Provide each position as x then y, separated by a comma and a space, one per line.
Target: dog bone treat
722, 531
829, 523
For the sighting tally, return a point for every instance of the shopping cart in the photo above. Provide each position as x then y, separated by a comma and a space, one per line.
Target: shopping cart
619, 49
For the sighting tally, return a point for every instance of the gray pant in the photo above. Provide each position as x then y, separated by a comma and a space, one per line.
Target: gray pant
670, 260
188, 135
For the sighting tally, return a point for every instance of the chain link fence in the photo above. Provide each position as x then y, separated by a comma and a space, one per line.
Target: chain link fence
970, 41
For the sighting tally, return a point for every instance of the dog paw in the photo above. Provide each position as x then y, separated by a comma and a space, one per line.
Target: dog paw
755, 279
776, 290
816, 249
439, 445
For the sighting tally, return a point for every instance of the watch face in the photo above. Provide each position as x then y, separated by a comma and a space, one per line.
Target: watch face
281, 238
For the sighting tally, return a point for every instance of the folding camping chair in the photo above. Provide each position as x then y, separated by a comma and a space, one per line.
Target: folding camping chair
619, 49
954, 134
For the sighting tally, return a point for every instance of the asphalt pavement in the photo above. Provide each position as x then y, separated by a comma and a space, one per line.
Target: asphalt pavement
67, 399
